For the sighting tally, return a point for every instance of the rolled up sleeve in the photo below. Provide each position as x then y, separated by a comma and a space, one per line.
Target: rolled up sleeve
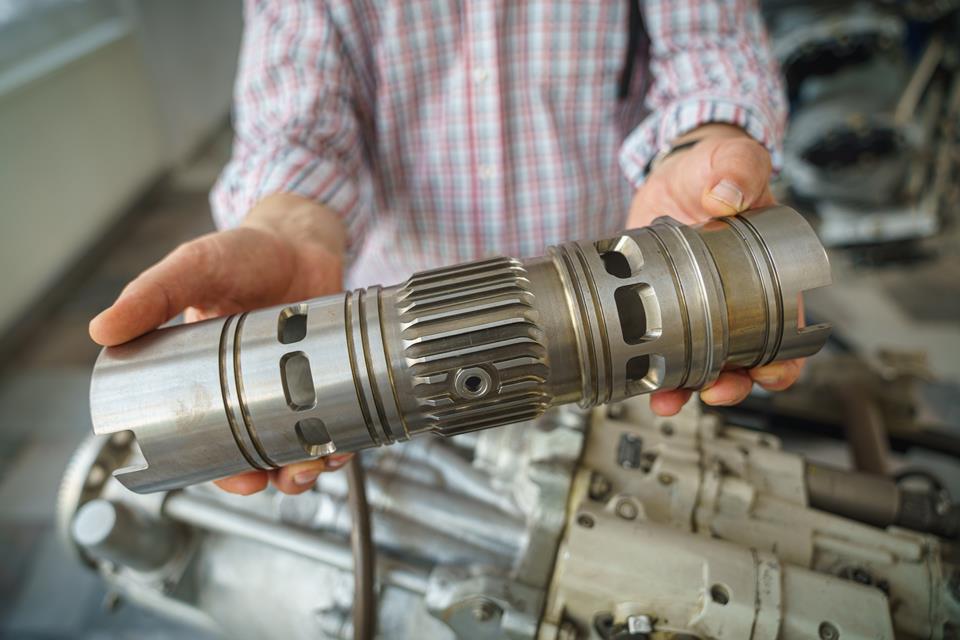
710, 61
297, 118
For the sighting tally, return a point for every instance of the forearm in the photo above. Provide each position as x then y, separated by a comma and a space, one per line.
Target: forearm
708, 65
299, 219
710, 130
299, 141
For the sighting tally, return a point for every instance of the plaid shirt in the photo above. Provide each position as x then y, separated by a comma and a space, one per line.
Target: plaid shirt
448, 130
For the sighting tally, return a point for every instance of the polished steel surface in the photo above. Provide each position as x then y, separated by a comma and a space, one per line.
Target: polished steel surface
462, 348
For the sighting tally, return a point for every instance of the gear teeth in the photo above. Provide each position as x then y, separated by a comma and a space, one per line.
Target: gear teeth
474, 345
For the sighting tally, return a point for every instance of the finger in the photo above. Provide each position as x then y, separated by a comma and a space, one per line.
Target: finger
669, 403
737, 178
244, 483
193, 314
729, 389
777, 376
187, 276
300, 477
219, 273
653, 200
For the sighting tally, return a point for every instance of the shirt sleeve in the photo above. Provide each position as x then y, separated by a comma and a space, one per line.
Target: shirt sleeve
296, 118
710, 61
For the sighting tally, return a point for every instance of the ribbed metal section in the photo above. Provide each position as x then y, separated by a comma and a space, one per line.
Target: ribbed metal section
474, 346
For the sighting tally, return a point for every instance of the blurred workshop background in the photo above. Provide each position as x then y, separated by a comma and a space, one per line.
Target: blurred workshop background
114, 122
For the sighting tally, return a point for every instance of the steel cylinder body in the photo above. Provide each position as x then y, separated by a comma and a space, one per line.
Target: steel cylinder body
462, 348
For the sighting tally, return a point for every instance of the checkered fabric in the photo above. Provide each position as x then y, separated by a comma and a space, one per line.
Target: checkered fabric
448, 130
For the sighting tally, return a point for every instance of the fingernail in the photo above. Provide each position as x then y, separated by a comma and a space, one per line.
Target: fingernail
728, 193
305, 478
710, 399
707, 395
769, 375
335, 462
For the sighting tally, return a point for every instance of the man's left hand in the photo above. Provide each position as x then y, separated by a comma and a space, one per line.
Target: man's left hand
724, 173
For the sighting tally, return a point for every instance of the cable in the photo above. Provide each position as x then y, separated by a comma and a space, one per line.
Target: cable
361, 541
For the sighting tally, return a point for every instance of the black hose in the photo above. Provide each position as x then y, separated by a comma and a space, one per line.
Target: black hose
634, 35
361, 541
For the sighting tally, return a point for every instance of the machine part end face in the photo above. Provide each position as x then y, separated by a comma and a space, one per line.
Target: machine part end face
799, 263
164, 390
802, 262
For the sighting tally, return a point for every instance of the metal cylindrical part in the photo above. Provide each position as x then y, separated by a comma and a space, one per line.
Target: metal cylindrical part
114, 532
213, 516
865, 430
471, 521
865, 497
462, 348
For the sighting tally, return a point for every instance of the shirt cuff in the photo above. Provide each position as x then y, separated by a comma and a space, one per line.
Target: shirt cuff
661, 128
294, 170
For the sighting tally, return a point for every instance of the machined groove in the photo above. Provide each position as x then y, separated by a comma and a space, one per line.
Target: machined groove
778, 318
458, 297
371, 369
461, 316
225, 394
707, 320
241, 396
604, 335
591, 385
684, 309
388, 355
357, 384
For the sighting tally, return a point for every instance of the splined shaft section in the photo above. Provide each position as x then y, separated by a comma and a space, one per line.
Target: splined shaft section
462, 348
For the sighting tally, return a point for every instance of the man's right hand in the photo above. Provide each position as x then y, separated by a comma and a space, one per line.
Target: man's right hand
288, 249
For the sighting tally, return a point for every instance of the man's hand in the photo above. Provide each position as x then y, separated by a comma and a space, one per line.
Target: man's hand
726, 172
288, 249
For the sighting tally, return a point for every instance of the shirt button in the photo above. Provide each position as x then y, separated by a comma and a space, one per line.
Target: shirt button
487, 171
480, 75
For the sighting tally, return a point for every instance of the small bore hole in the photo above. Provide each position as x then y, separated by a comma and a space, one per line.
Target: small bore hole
473, 383
292, 325
719, 594
585, 521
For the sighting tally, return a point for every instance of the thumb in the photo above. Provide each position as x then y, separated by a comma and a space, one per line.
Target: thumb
738, 177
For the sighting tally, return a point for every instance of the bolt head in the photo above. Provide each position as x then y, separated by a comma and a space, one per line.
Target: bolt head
828, 632
485, 610
627, 510
639, 624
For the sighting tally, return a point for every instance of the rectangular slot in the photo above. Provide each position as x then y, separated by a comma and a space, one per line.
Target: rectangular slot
314, 437
292, 324
297, 381
639, 313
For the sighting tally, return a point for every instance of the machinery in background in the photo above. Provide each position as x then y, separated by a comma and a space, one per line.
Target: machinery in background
602, 525
873, 145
